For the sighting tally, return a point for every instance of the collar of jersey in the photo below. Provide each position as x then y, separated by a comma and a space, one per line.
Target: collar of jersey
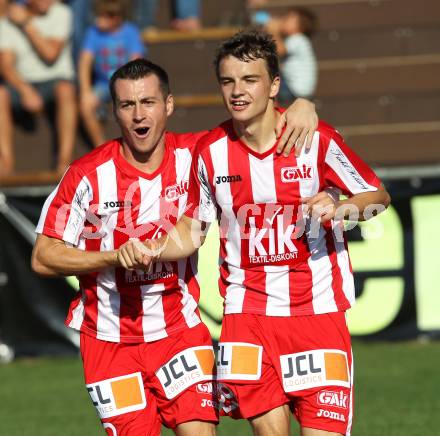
129, 169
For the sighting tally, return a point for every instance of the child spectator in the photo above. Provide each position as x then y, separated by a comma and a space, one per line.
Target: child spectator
109, 43
292, 33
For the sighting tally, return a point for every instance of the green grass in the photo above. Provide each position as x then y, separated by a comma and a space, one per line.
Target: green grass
397, 394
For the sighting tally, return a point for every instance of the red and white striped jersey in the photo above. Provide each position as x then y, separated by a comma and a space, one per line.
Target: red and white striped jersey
274, 260
100, 203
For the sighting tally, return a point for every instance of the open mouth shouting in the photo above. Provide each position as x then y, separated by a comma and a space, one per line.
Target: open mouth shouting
141, 132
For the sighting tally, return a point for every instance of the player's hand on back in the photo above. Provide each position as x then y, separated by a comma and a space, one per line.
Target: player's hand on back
301, 121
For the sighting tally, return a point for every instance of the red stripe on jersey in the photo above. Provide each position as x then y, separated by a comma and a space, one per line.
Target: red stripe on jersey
340, 299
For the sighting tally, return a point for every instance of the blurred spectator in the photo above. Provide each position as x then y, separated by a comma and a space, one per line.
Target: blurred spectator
186, 14
35, 60
109, 43
82, 19
292, 32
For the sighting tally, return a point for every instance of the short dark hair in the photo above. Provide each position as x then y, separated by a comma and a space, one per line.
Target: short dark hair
249, 45
111, 7
138, 69
307, 19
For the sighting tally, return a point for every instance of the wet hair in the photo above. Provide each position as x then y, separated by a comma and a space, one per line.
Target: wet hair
139, 69
249, 45
307, 20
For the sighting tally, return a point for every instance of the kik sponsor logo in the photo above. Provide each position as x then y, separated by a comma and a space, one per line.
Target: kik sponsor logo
239, 361
296, 174
191, 366
332, 398
314, 368
273, 236
173, 192
159, 271
227, 179
118, 395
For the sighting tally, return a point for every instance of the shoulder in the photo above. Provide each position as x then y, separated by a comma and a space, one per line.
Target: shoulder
91, 161
212, 137
129, 28
60, 10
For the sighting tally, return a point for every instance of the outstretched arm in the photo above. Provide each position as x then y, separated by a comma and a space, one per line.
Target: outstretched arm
52, 257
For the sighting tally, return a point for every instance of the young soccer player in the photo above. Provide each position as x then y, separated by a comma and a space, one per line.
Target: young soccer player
285, 273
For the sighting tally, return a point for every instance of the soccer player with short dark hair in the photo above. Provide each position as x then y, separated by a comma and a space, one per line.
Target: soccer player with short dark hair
148, 358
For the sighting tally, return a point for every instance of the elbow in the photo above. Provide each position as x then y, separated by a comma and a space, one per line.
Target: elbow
40, 267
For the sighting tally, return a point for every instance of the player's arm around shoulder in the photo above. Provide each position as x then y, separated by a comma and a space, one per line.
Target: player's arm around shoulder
52, 257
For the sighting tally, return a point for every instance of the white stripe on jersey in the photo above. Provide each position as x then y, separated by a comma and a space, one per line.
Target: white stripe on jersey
183, 167
77, 316
344, 264
149, 209
109, 301
277, 283
152, 304
47, 203
319, 262
263, 179
78, 207
235, 291
342, 166
277, 277
188, 302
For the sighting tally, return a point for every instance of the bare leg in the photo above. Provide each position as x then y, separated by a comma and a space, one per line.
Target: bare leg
7, 161
66, 121
92, 124
276, 422
198, 428
306, 431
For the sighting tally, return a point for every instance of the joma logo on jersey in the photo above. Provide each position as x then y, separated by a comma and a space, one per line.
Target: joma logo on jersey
227, 179
191, 366
118, 395
118, 204
331, 398
294, 174
173, 192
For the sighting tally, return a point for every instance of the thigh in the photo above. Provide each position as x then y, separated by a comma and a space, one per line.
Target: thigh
182, 377
116, 384
248, 382
316, 370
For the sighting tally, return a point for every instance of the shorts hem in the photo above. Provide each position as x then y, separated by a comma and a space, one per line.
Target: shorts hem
241, 415
324, 427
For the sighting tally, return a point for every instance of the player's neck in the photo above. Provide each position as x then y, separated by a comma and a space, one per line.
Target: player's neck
259, 133
145, 162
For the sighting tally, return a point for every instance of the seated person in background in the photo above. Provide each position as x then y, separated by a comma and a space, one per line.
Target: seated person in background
186, 14
108, 45
36, 65
292, 32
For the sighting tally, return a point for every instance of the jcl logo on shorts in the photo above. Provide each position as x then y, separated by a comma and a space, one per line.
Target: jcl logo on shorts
118, 395
239, 361
185, 369
314, 368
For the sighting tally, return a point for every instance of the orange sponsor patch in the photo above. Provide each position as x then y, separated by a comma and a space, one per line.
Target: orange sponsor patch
126, 392
206, 360
244, 360
336, 366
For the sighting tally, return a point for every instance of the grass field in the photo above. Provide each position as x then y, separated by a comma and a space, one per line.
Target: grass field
397, 394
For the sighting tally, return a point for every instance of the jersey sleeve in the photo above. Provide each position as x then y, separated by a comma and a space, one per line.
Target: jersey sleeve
65, 210
201, 203
61, 25
344, 169
89, 42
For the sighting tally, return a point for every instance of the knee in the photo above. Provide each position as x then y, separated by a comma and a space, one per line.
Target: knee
65, 91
